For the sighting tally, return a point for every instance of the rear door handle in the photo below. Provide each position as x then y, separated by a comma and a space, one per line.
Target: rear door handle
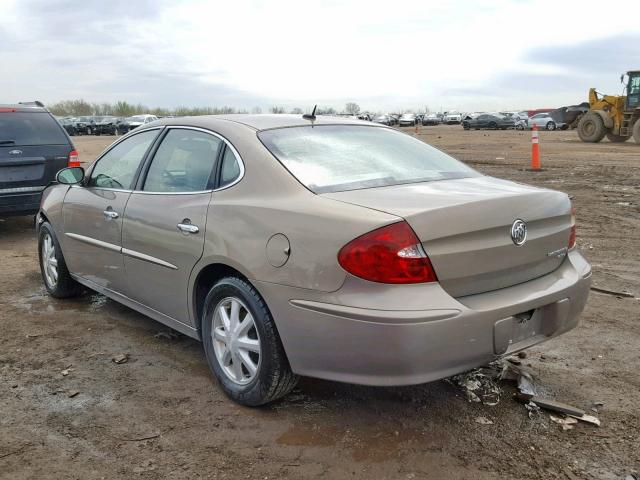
110, 214
188, 228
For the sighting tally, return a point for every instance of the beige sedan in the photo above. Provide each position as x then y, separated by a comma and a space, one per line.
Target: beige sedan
325, 247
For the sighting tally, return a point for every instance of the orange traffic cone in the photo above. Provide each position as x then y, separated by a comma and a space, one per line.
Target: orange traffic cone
535, 149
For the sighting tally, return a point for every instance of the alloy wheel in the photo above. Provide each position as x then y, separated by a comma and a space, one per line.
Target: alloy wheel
236, 341
49, 261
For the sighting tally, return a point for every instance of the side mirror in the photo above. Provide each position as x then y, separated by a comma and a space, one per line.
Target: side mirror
70, 175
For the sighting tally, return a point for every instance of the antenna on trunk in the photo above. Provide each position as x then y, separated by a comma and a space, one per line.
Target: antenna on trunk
311, 116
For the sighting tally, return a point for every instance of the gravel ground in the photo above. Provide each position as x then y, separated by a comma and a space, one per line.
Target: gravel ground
69, 411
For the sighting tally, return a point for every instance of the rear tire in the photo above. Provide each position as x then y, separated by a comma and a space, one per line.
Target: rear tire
636, 131
272, 377
56, 276
591, 128
613, 138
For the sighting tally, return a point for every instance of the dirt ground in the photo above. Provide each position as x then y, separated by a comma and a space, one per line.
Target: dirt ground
70, 412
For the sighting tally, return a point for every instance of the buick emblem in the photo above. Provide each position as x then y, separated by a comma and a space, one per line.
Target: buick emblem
519, 232
15, 152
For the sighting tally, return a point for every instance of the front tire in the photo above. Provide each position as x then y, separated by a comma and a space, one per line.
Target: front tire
242, 345
591, 128
551, 126
56, 276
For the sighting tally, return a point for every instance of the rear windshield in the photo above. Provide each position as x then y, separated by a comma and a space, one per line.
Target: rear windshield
37, 128
334, 158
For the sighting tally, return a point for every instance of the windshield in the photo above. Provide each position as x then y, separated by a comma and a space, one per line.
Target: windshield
33, 128
334, 158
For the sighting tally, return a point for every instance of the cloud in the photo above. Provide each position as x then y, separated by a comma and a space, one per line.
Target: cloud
381, 54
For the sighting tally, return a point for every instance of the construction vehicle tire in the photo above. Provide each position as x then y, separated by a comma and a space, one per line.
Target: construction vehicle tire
591, 128
613, 138
636, 131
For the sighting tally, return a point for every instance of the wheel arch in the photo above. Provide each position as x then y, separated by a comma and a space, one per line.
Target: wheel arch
206, 278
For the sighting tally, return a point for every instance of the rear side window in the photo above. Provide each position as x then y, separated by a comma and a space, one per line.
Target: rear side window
30, 128
230, 170
118, 167
184, 162
333, 158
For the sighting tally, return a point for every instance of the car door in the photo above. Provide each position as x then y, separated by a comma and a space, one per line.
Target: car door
92, 213
165, 220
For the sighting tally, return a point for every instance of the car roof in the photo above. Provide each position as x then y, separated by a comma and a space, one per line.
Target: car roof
22, 107
262, 121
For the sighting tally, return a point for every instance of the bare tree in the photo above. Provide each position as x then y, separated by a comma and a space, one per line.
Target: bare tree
256, 110
297, 111
277, 109
352, 108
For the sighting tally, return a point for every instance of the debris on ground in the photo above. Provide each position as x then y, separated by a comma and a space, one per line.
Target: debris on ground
612, 292
484, 421
480, 385
72, 393
65, 372
120, 358
566, 423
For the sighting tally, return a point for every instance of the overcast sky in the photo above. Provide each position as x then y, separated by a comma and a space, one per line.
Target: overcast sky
384, 55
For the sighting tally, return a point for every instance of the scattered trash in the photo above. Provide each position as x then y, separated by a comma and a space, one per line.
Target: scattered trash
560, 407
566, 423
120, 358
596, 406
612, 292
533, 410
72, 393
479, 386
484, 421
624, 204
65, 372
33, 335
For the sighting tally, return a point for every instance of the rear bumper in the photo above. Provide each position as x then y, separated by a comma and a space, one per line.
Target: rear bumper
414, 334
15, 204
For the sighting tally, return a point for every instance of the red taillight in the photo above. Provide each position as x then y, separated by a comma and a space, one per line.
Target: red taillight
74, 159
8, 110
391, 254
572, 233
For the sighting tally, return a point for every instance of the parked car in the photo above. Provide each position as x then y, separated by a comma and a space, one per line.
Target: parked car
136, 121
85, 125
518, 122
543, 120
407, 119
399, 270
488, 121
68, 125
107, 126
431, 119
33, 147
384, 120
452, 118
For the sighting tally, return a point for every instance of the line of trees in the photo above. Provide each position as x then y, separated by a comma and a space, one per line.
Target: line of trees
125, 109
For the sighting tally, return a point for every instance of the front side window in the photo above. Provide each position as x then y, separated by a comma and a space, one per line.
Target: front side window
117, 168
333, 158
184, 162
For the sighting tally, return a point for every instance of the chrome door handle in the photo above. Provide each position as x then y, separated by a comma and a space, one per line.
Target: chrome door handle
188, 228
110, 214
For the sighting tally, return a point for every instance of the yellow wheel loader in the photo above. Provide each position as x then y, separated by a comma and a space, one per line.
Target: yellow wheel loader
615, 117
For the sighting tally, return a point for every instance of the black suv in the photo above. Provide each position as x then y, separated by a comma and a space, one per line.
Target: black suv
33, 148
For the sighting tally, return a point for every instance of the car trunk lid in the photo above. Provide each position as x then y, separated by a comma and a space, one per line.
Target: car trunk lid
465, 228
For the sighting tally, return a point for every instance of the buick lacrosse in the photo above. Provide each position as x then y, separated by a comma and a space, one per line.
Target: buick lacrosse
325, 247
